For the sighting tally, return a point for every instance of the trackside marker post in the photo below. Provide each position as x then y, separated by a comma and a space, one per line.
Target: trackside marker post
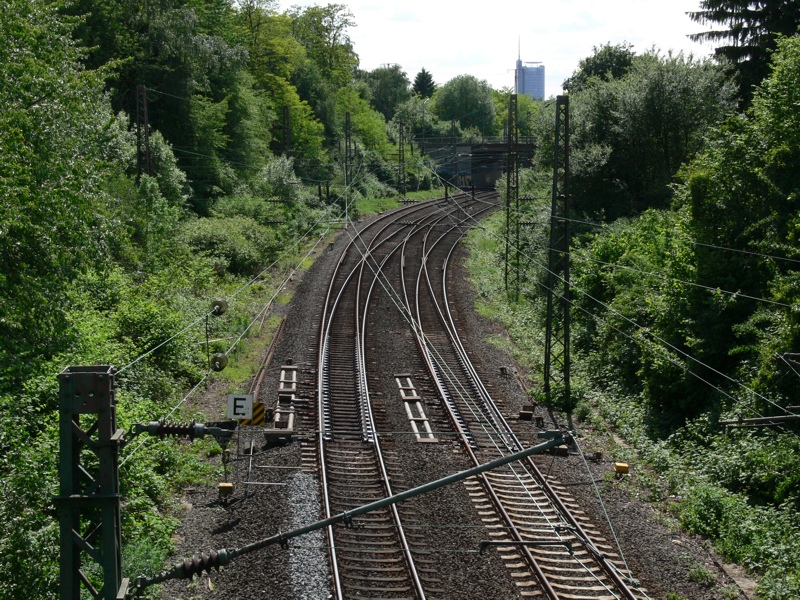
240, 406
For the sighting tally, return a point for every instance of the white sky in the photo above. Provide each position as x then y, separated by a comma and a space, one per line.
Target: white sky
452, 38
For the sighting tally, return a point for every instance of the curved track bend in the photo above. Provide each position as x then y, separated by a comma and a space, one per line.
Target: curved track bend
552, 552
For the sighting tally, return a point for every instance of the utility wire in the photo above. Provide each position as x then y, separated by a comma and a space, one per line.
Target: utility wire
640, 327
176, 407
275, 295
230, 297
665, 278
602, 504
452, 377
586, 255
696, 243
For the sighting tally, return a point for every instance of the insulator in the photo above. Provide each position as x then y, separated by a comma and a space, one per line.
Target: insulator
162, 429
203, 563
219, 307
219, 362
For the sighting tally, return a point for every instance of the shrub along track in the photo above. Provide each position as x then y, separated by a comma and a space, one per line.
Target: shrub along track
443, 529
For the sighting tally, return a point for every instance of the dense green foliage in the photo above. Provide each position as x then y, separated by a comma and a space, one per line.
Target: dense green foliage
607, 62
747, 33
389, 87
467, 100
630, 134
424, 86
684, 292
101, 262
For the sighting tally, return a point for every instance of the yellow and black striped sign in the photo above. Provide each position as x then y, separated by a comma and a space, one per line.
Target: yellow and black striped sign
258, 415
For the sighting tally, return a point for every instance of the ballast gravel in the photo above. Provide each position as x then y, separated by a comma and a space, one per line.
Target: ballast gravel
661, 557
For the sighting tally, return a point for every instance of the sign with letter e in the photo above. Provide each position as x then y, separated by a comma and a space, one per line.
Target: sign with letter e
240, 406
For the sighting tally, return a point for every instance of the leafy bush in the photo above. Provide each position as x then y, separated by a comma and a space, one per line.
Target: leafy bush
240, 244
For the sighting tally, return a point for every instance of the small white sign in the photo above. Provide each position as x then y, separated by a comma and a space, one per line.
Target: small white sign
240, 406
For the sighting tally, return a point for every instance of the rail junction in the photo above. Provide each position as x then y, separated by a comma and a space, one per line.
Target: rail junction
387, 323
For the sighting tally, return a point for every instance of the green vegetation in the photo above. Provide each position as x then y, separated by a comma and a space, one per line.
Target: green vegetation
103, 256
103, 259
747, 34
424, 86
684, 294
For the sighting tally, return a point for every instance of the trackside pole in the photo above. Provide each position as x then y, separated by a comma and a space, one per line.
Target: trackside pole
88, 504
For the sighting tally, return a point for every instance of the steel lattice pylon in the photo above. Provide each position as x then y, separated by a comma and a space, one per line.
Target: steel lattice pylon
556, 351
287, 131
512, 203
142, 134
401, 161
89, 503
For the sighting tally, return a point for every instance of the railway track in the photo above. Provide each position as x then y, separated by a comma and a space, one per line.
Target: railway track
376, 558
552, 550
548, 546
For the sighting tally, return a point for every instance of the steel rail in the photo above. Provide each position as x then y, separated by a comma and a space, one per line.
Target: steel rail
325, 332
337, 584
456, 419
608, 568
533, 564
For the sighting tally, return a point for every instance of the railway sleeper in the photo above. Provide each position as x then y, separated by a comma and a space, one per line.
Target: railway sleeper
387, 590
379, 581
374, 545
571, 579
567, 596
373, 569
395, 559
532, 582
574, 572
351, 502
593, 588
364, 533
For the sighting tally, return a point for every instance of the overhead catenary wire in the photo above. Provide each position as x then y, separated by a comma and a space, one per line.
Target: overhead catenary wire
452, 377
232, 347
229, 297
168, 415
696, 243
586, 256
275, 295
646, 331
481, 227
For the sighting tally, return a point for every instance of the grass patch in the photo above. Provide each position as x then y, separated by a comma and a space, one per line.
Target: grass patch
425, 194
371, 206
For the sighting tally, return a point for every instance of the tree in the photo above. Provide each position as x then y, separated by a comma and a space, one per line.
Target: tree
747, 31
528, 112
467, 100
424, 87
306, 131
268, 38
631, 135
606, 62
322, 30
389, 86
420, 122
742, 192
187, 53
59, 141
367, 124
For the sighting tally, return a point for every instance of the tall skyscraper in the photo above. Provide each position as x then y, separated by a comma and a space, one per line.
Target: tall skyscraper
529, 79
